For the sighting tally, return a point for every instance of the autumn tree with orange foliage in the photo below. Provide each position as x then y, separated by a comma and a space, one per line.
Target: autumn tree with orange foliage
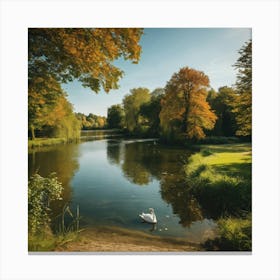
61, 55
184, 106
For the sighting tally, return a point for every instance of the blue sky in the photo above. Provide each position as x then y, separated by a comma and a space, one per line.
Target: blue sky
164, 52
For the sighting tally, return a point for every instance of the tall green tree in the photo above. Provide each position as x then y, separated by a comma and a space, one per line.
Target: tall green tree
184, 104
222, 103
243, 102
132, 104
151, 110
115, 116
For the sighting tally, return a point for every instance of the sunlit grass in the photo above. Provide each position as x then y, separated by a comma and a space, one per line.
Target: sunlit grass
228, 158
215, 161
42, 142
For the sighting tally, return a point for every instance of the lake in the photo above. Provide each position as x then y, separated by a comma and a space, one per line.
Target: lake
113, 180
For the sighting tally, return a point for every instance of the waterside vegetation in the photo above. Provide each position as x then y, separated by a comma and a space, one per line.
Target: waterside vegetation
219, 176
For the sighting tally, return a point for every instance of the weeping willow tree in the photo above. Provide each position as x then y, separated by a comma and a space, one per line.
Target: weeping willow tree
67, 126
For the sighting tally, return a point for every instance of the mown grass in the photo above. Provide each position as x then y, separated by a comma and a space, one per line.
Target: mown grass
214, 161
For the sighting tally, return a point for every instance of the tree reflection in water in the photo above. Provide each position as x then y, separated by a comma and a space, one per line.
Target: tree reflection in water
114, 151
142, 161
63, 160
184, 204
133, 165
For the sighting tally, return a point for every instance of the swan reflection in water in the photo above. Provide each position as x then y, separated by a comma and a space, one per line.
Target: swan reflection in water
153, 228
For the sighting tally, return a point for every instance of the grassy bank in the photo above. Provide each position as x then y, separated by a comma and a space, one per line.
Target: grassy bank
44, 142
219, 176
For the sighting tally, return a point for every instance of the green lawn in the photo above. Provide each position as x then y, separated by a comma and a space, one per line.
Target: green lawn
229, 159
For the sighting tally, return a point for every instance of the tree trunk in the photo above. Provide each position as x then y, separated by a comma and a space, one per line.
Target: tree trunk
32, 132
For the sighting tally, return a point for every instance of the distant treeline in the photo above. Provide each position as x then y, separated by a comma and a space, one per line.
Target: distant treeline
91, 121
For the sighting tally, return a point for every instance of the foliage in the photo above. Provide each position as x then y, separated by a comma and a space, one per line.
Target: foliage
91, 121
67, 126
243, 102
86, 54
115, 116
60, 55
234, 235
243, 114
184, 105
43, 101
41, 191
51, 113
150, 112
132, 104
222, 103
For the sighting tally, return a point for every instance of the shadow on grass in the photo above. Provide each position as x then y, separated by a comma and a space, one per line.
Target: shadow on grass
243, 170
228, 148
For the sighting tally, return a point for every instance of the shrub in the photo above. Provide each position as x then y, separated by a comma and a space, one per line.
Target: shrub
206, 152
234, 235
41, 191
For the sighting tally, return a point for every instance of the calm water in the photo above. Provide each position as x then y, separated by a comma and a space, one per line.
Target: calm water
113, 180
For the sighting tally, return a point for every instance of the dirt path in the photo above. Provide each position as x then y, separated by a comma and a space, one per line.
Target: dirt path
112, 239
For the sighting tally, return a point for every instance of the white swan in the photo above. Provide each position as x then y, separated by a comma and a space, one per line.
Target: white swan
149, 218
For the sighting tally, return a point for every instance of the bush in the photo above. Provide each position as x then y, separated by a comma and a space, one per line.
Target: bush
234, 235
206, 152
41, 191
